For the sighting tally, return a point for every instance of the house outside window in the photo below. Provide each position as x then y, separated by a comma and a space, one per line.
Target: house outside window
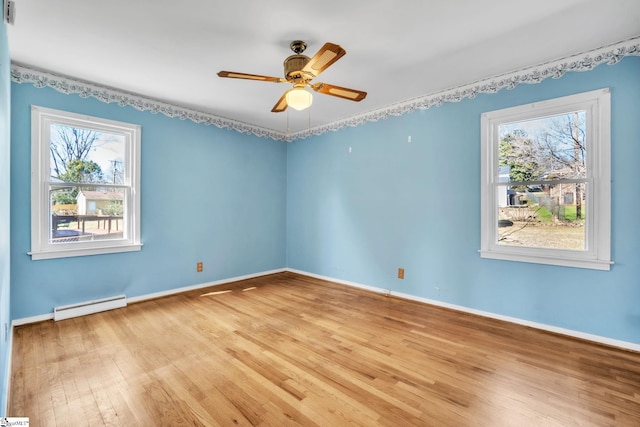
85, 195
545, 182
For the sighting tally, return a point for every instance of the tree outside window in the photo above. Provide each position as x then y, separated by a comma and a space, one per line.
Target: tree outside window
545, 182
85, 196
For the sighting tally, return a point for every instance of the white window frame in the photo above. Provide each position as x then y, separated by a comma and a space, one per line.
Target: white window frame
597, 254
41, 121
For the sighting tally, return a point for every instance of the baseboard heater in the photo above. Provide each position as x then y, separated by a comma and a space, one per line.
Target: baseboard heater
89, 307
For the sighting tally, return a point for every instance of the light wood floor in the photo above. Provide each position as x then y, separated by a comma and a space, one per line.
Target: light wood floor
290, 350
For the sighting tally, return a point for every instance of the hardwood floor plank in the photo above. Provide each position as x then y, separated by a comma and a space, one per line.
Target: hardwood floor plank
290, 350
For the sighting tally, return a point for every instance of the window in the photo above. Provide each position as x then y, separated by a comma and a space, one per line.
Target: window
545, 184
85, 195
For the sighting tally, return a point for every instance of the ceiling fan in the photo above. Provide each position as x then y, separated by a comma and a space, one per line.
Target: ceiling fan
299, 70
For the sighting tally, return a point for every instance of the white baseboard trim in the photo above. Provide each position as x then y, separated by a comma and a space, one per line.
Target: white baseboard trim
32, 319
203, 285
549, 328
49, 316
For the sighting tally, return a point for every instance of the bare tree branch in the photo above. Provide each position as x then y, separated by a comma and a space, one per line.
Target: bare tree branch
70, 144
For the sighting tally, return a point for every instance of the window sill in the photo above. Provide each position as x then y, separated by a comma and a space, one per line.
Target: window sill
594, 264
84, 252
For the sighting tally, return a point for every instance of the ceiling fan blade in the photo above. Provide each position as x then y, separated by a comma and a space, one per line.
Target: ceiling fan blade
281, 105
340, 92
326, 56
234, 75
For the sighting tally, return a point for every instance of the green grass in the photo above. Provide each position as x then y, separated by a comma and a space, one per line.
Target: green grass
544, 215
570, 213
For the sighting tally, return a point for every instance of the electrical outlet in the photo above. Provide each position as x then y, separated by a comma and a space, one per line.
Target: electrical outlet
199, 267
400, 273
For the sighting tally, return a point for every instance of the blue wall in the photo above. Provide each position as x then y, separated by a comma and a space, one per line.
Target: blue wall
244, 205
390, 203
5, 150
207, 194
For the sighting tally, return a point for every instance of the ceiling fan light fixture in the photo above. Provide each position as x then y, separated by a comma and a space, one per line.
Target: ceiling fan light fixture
298, 98
299, 70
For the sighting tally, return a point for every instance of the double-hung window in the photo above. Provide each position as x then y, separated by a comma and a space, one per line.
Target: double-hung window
545, 182
85, 185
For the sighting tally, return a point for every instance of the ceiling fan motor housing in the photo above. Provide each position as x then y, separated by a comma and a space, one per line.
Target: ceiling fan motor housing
293, 66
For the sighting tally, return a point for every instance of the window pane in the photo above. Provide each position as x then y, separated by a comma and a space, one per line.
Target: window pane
552, 216
86, 155
545, 182
82, 214
548, 148
85, 176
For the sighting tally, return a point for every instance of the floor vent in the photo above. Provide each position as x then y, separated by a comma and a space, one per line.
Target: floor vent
89, 307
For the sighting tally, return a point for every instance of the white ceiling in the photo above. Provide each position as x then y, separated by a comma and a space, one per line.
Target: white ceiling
396, 50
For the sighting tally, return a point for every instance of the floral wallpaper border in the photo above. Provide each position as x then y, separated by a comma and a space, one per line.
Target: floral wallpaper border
611, 54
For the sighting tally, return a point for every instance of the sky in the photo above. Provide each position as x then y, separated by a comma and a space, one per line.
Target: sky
109, 147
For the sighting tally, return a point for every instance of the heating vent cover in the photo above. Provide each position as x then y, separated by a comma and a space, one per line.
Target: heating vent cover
89, 307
